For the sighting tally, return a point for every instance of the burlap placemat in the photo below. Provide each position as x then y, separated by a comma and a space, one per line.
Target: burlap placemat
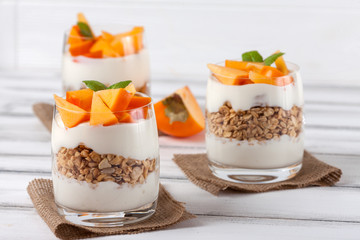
168, 212
44, 112
313, 173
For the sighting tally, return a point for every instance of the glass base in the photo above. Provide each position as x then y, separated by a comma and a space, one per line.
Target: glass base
255, 176
107, 219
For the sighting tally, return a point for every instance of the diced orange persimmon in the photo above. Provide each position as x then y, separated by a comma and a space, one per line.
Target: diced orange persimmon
70, 114
281, 65
131, 88
124, 117
193, 124
259, 78
81, 18
104, 47
100, 113
277, 81
118, 46
270, 72
137, 32
229, 76
243, 65
75, 36
107, 36
139, 102
97, 54
116, 99
81, 98
81, 48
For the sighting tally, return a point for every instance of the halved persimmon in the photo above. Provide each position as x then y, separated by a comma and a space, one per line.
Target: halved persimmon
179, 114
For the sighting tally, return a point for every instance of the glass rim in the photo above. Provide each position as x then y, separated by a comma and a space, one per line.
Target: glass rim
101, 29
295, 69
122, 111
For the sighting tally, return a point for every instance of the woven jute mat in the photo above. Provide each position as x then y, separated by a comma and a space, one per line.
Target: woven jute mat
168, 212
312, 173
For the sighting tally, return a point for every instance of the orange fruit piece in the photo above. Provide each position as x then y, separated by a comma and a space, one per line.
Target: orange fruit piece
74, 35
190, 120
277, 81
243, 65
115, 99
131, 88
138, 102
97, 54
270, 72
70, 114
100, 113
124, 117
104, 47
137, 32
81, 48
81, 98
229, 76
107, 36
281, 65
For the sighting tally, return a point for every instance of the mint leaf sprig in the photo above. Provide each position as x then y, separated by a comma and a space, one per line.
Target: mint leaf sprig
255, 56
85, 30
97, 86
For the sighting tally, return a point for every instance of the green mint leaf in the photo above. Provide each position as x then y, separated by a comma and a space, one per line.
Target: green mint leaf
271, 59
85, 30
252, 56
122, 84
175, 109
94, 85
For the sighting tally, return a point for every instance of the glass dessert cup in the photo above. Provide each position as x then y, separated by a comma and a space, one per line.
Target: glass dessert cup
129, 62
106, 176
254, 132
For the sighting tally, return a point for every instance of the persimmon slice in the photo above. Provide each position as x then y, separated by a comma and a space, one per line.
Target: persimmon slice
81, 98
81, 48
116, 99
281, 65
100, 113
229, 76
243, 65
70, 114
179, 114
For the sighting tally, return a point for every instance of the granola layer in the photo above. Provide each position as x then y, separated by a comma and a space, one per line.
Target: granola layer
257, 123
84, 164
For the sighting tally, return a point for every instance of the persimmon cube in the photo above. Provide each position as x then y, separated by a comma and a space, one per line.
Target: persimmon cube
75, 35
97, 54
100, 113
116, 99
81, 98
270, 72
281, 65
139, 102
243, 65
104, 47
70, 114
131, 88
229, 76
80, 48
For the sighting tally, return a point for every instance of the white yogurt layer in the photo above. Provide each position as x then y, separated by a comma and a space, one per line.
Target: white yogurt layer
133, 67
273, 153
244, 97
104, 196
130, 140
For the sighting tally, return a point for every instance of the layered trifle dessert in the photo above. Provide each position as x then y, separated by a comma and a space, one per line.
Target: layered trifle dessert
254, 119
95, 54
105, 155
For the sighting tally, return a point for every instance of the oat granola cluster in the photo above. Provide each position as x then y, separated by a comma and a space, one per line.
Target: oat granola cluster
84, 164
257, 123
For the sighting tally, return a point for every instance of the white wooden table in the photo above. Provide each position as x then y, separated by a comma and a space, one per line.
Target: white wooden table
332, 135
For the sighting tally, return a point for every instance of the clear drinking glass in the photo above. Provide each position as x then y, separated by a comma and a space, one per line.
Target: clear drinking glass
127, 58
254, 132
106, 176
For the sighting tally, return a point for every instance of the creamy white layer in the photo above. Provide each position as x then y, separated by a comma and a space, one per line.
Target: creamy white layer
135, 140
133, 67
244, 97
255, 155
104, 196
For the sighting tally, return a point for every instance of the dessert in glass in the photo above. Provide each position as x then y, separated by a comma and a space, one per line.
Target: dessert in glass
105, 153
117, 54
254, 119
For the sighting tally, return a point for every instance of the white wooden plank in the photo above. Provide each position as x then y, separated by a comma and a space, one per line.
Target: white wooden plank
203, 227
8, 34
184, 35
328, 203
